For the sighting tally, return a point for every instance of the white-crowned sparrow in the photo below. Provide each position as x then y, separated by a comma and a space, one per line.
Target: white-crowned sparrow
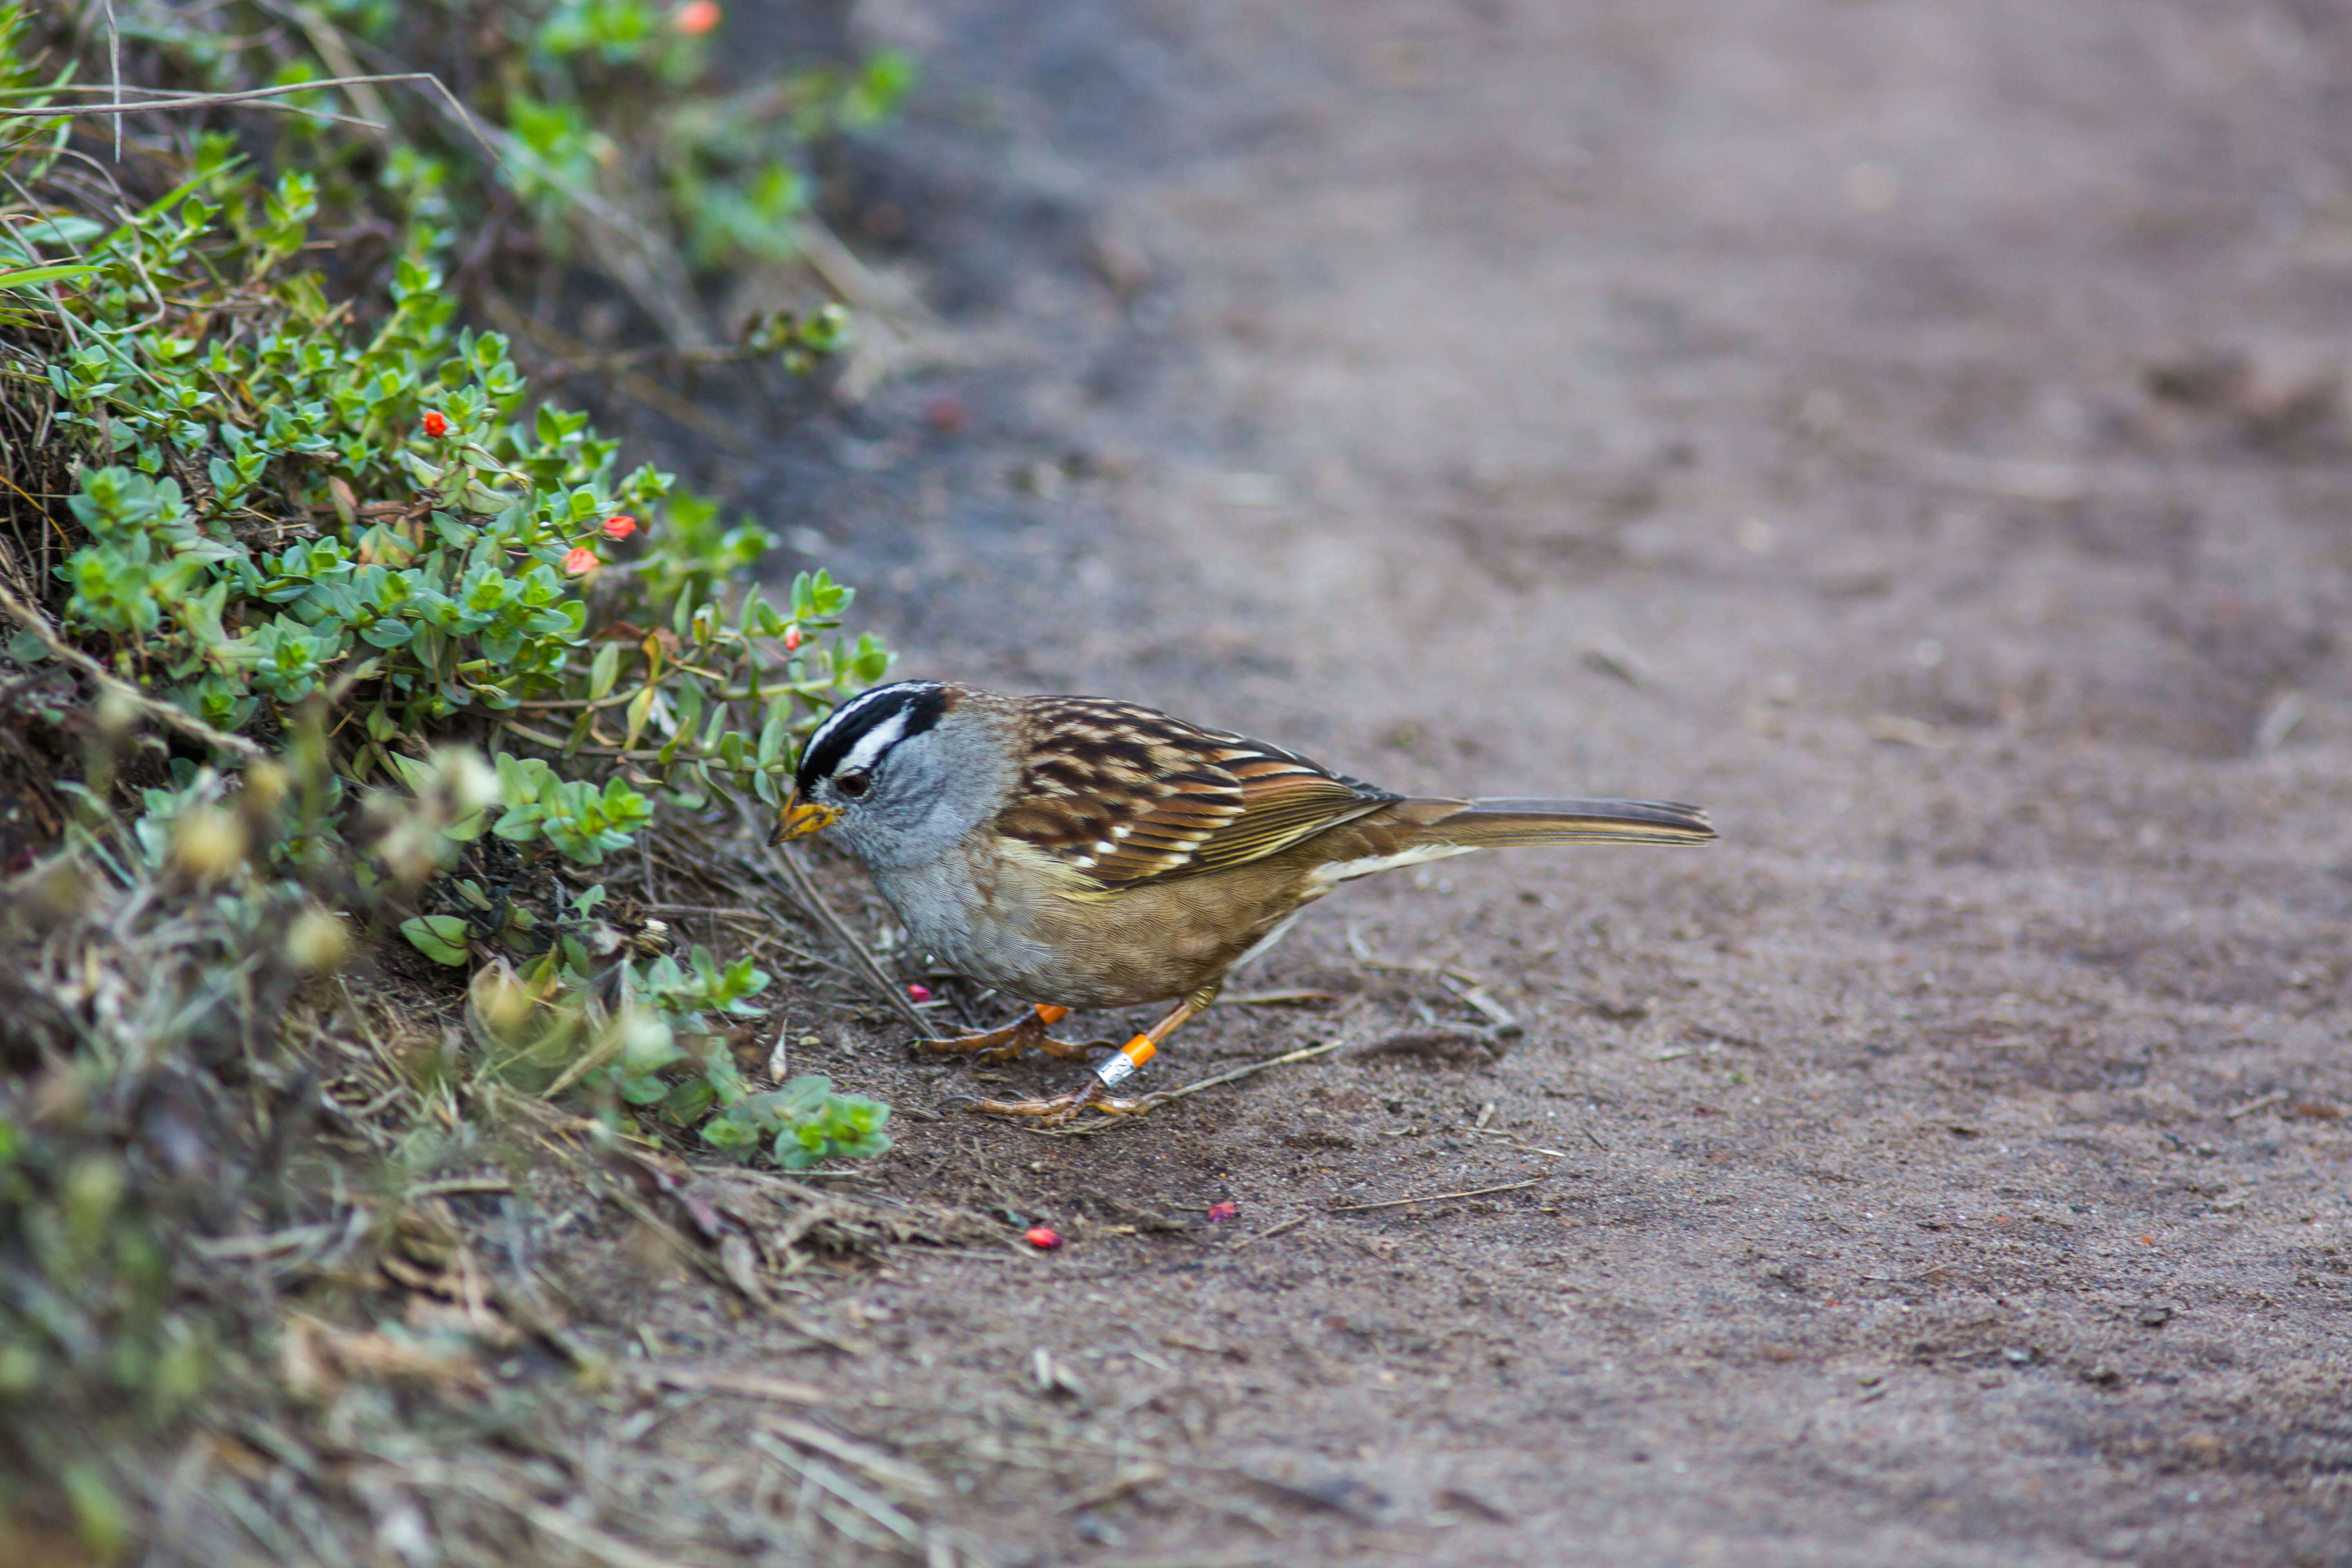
1078, 852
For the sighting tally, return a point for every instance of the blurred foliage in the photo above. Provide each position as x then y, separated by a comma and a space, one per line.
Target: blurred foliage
608, 134
151, 960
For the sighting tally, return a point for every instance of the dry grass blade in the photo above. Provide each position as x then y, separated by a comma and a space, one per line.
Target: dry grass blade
589, 1538
1479, 998
181, 98
726, 1380
1117, 1487
1436, 1197
2277, 1097
1305, 1053
259, 98
1293, 1222
546, 1520
644, 264
884, 1470
230, 1247
867, 1505
456, 1185
1513, 1141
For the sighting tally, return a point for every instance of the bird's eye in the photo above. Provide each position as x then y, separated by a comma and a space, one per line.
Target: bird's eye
854, 784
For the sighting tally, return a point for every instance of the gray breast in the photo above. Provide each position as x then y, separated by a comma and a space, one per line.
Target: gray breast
951, 913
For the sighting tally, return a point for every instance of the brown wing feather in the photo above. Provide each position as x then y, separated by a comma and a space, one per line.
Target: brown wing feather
1126, 795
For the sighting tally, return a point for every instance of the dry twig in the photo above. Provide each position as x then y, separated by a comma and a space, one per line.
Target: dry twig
1436, 1197
811, 898
1089, 1128
164, 713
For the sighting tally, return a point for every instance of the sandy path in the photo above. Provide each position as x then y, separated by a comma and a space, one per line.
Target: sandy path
1743, 403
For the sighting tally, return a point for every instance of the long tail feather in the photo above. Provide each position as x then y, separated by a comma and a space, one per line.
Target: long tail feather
1504, 822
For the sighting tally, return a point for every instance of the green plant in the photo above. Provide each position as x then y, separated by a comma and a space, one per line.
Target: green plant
602, 114
657, 1047
322, 629
803, 1124
460, 584
277, 501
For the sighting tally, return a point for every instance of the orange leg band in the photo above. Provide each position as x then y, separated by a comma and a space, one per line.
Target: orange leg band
1049, 1017
1114, 1070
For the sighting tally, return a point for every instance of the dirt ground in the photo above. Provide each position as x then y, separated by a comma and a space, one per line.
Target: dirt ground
1907, 429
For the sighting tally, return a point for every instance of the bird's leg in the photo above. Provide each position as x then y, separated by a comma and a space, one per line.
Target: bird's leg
1108, 1074
1004, 1045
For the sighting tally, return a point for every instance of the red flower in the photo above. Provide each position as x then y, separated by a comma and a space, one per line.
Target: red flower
580, 560
435, 422
695, 17
620, 526
1045, 1238
791, 638
919, 993
1223, 1209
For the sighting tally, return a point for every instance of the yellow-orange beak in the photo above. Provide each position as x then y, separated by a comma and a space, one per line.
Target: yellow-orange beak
801, 818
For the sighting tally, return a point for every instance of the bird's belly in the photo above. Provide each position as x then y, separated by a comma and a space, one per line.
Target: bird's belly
1120, 949
1156, 943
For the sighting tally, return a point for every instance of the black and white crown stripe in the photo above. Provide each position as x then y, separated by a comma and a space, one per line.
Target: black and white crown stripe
868, 725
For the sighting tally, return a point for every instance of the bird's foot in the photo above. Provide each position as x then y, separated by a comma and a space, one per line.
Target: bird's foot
1023, 1033
1055, 1110
1108, 1074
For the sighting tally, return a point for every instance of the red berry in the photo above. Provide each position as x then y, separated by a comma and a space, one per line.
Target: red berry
919, 993
435, 423
791, 638
697, 17
1043, 1237
946, 414
1223, 1209
620, 526
580, 560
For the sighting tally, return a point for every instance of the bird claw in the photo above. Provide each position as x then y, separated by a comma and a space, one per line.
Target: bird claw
1056, 1109
1006, 1044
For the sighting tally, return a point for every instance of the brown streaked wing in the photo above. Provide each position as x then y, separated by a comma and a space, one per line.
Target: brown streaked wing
1126, 794
1284, 798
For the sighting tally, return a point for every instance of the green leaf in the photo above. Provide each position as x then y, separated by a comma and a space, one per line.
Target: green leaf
644, 1090
691, 1100
639, 708
60, 231
31, 277
725, 1132
441, 938
604, 671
